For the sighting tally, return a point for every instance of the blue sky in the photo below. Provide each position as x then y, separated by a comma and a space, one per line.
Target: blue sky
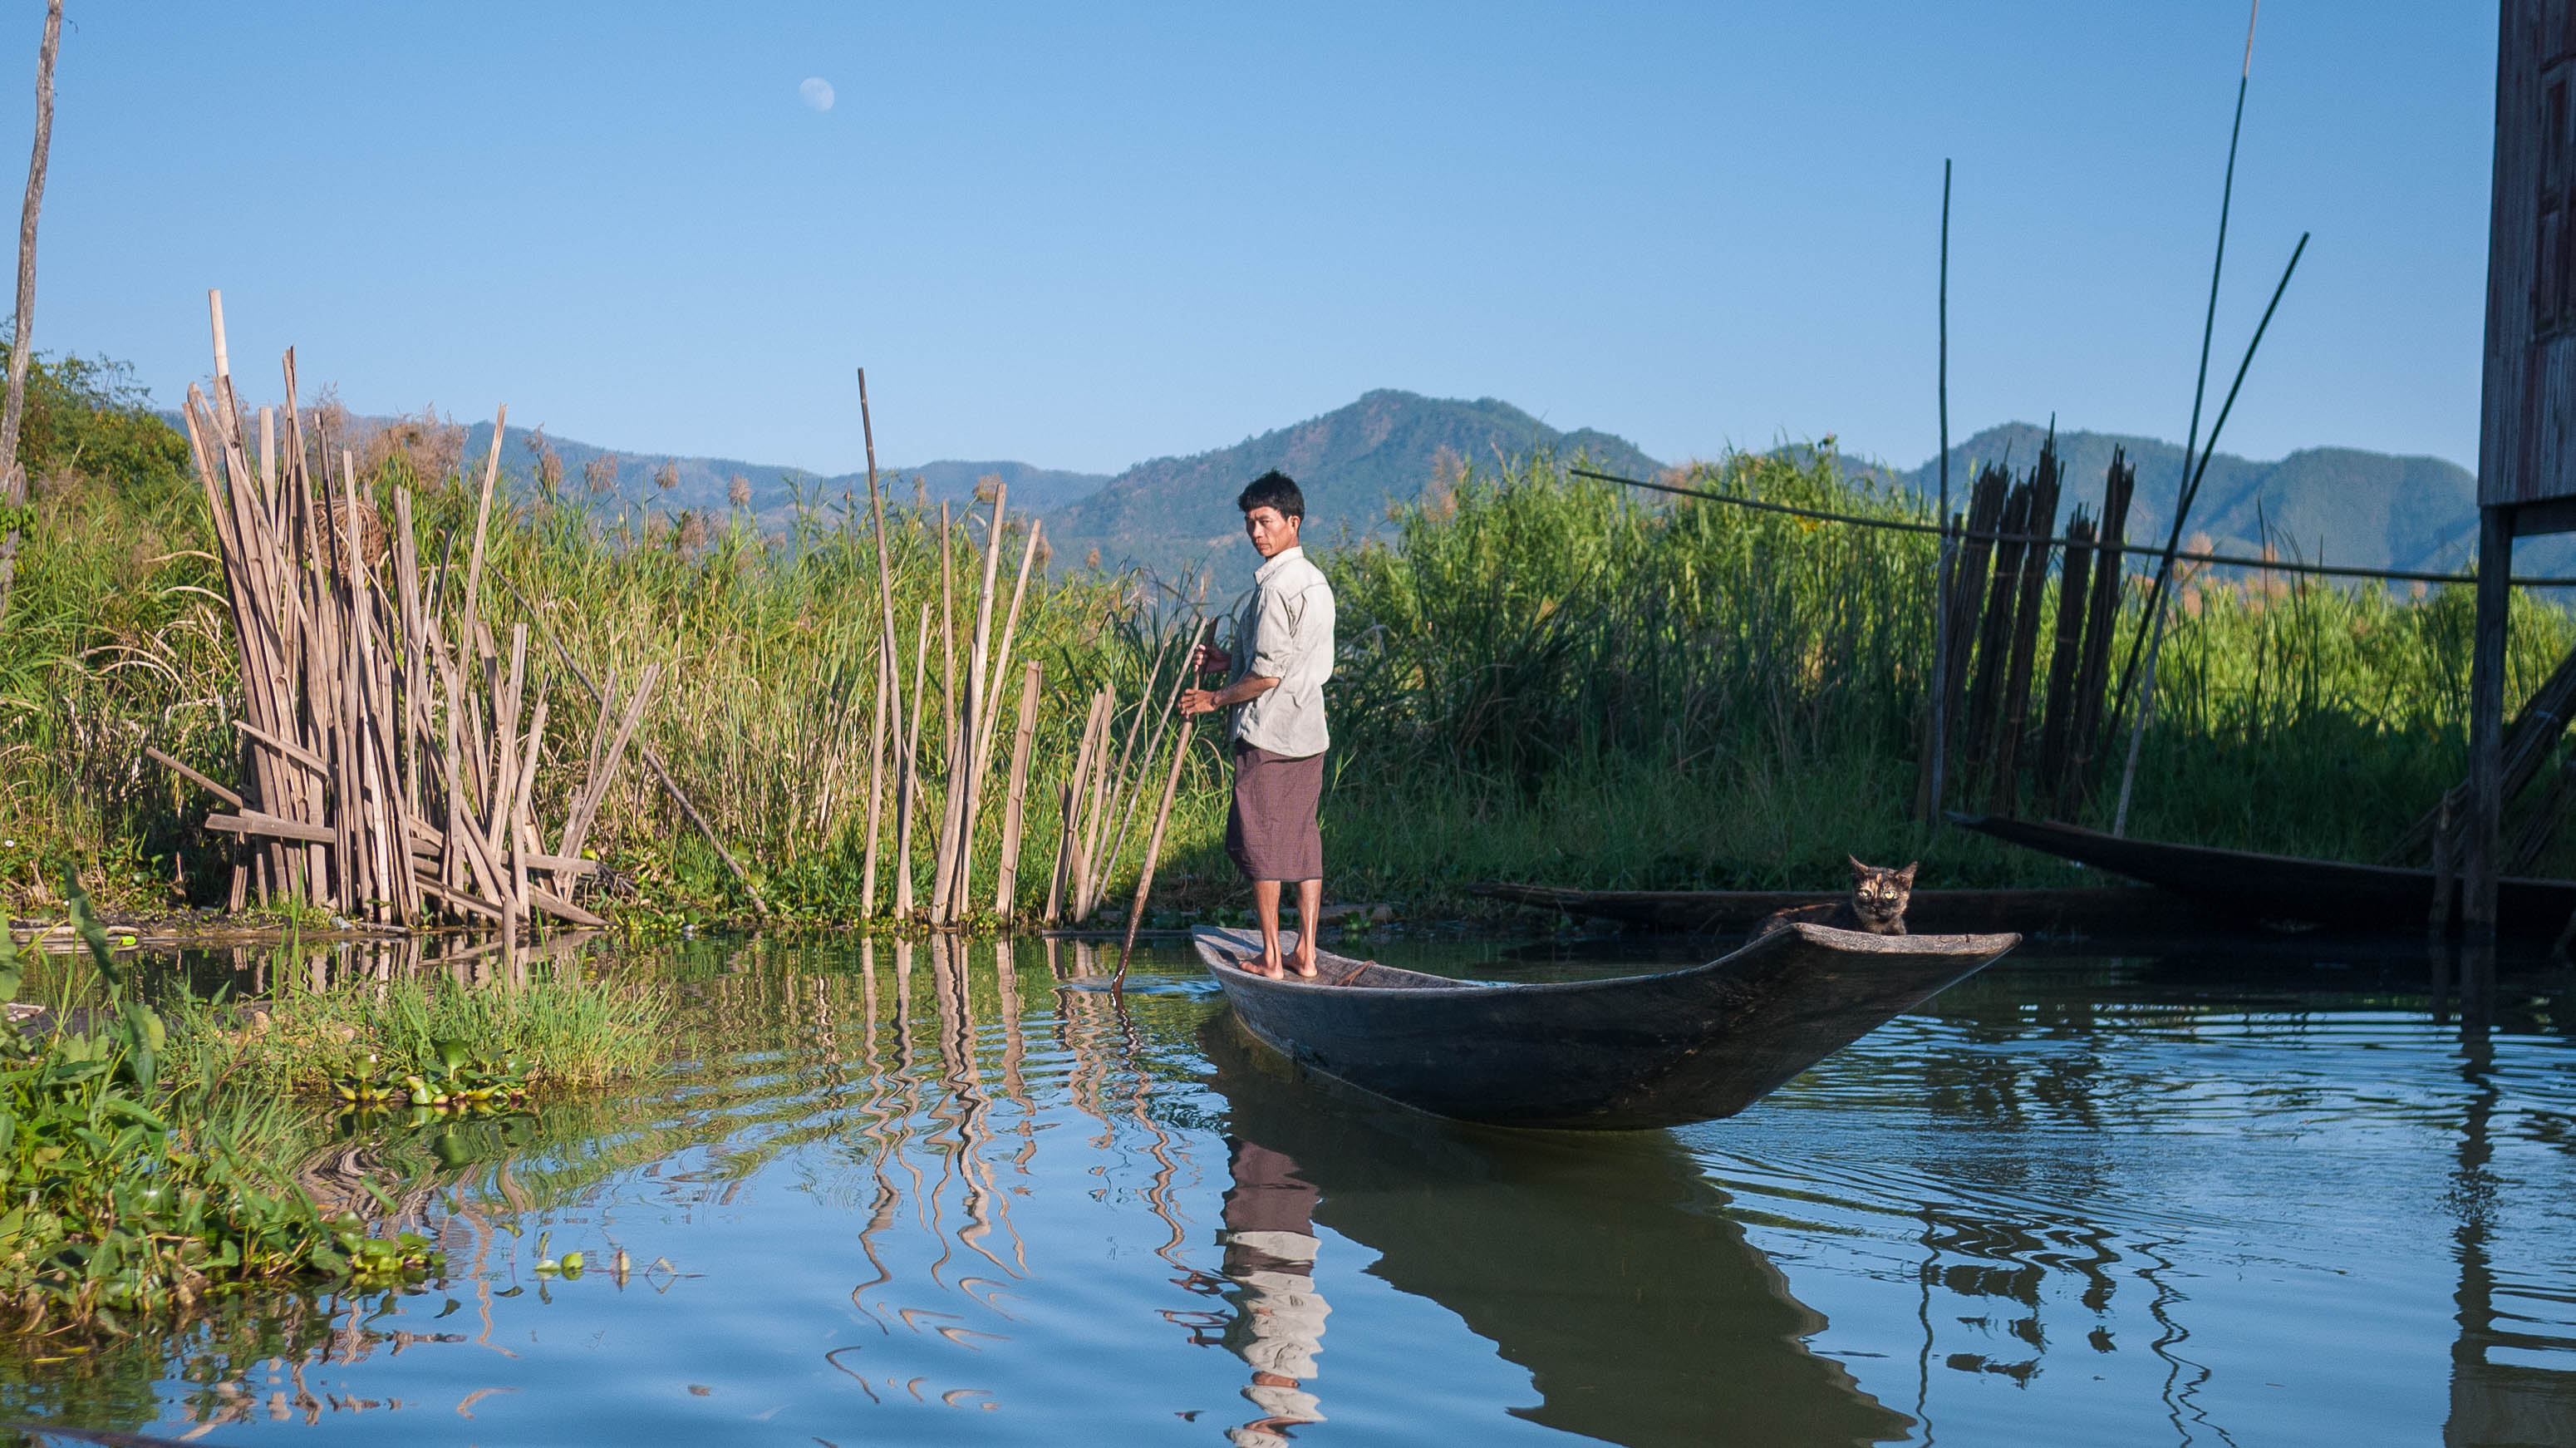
1085, 235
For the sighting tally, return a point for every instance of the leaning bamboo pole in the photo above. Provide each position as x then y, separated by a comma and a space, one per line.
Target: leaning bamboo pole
887, 640
1163, 812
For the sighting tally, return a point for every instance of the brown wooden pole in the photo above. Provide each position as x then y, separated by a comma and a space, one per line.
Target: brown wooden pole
888, 640
13, 491
1162, 815
2014, 713
876, 781
2486, 723
1007, 867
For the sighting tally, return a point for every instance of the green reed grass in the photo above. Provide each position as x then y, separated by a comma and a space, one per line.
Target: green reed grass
567, 1032
1542, 677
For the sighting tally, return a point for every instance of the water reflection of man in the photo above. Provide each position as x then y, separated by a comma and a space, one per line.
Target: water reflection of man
1278, 1328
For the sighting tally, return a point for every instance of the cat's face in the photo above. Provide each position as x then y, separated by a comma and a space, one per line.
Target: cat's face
1880, 894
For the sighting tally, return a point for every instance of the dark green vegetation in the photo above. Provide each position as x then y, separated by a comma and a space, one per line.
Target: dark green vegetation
1542, 678
137, 1193
1560, 681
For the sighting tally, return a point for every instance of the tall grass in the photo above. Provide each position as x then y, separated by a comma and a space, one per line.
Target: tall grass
1542, 676
1549, 677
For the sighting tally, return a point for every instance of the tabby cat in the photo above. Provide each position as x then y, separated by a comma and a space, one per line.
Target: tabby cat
1876, 906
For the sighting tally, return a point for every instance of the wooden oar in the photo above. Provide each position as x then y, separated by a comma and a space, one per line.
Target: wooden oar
1162, 815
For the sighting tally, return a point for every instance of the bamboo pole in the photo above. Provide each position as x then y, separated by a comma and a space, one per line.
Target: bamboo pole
883, 685
1163, 817
910, 797
944, 852
2015, 711
988, 726
1007, 868
887, 641
1118, 791
22, 346
976, 721
1068, 840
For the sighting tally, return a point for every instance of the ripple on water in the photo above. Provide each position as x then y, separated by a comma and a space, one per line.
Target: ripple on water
915, 1193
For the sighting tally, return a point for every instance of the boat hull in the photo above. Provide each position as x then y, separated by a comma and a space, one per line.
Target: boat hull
1626, 1054
2282, 889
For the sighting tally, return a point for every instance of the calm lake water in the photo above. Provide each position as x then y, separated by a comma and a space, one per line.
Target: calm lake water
2244, 1194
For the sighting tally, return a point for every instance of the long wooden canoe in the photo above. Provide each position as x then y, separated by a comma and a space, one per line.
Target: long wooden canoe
1629, 1053
2124, 909
2281, 889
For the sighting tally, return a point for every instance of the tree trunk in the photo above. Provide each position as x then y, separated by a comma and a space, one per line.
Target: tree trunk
13, 478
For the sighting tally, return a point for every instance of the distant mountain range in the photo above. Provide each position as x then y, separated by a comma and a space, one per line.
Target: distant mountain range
2323, 505
1176, 514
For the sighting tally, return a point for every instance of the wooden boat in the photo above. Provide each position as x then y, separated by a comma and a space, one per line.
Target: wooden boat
2281, 890
2120, 909
1629, 1053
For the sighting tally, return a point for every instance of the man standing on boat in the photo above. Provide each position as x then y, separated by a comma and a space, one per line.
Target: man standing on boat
1283, 653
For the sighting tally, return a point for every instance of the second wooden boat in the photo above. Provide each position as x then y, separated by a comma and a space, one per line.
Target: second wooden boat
1634, 1052
2281, 889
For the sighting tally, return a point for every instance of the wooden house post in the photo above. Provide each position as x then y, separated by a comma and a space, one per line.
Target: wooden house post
2527, 421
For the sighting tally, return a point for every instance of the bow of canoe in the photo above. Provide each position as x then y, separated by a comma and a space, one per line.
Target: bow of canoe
1630, 1053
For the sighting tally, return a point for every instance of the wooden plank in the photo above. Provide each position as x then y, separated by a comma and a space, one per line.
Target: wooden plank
251, 822
556, 905
1994, 639
2101, 629
2478, 871
2065, 659
470, 903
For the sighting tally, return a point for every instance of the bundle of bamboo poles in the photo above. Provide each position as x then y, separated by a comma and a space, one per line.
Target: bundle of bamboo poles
388, 763
1992, 620
1101, 796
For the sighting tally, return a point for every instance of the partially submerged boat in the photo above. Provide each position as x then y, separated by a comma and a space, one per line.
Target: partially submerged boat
1623, 1054
2281, 890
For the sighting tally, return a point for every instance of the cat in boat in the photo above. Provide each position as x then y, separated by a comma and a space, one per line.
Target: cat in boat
1876, 906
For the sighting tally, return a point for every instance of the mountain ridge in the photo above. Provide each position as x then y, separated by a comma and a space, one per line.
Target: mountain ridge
1175, 514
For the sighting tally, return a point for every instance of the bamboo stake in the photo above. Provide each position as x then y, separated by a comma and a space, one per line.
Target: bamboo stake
482, 523
974, 723
944, 855
1068, 840
1162, 818
1007, 868
910, 799
13, 491
887, 641
1122, 790
884, 685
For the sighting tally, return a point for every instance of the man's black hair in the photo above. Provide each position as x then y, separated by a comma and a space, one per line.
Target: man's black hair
1273, 489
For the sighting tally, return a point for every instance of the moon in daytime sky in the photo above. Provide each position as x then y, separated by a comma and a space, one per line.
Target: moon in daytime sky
817, 93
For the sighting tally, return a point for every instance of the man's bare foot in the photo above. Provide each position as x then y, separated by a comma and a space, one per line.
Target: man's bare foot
1269, 966
1306, 964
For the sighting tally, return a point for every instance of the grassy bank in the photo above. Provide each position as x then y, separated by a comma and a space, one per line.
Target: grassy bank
1543, 677
140, 1194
